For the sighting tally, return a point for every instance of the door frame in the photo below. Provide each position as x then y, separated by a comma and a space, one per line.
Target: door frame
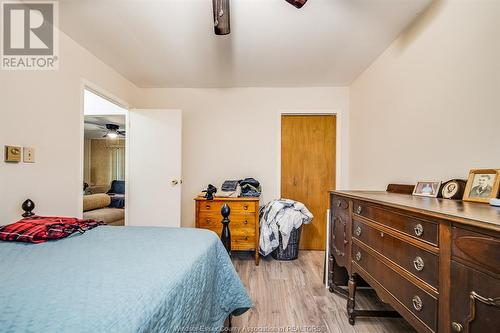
340, 140
96, 89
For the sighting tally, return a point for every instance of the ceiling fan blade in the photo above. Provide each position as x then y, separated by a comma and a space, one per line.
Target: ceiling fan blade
95, 124
297, 3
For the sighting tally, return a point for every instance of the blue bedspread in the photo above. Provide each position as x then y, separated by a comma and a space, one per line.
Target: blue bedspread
119, 279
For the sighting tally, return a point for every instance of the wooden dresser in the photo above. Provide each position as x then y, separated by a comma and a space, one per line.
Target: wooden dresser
435, 261
244, 217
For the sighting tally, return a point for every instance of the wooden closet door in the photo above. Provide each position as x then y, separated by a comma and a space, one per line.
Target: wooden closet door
308, 169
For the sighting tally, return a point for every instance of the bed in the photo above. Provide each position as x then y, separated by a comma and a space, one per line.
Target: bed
126, 279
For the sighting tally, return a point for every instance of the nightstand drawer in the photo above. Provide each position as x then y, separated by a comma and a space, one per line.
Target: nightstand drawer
236, 206
243, 242
239, 224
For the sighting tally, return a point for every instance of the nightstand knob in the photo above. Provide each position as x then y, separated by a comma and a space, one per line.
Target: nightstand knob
207, 206
246, 237
245, 222
207, 220
245, 207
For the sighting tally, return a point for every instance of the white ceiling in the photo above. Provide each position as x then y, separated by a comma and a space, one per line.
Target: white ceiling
171, 43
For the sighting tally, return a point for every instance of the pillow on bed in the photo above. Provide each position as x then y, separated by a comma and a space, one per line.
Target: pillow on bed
95, 201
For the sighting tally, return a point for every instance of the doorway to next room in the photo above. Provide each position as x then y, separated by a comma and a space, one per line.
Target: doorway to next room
104, 160
308, 166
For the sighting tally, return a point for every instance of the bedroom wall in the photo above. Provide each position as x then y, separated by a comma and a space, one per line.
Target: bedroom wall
42, 109
234, 133
429, 106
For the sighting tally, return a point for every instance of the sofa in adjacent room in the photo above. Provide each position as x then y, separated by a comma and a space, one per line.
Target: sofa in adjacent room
96, 207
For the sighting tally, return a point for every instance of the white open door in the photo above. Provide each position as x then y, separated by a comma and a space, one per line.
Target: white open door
154, 168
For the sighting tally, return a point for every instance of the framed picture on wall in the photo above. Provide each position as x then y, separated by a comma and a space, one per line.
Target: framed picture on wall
482, 185
427, 189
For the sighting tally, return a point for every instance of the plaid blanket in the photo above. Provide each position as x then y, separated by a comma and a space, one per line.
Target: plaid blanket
39, 229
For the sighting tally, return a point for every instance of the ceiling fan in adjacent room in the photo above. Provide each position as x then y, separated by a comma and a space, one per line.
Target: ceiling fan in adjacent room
113, 131
222, 18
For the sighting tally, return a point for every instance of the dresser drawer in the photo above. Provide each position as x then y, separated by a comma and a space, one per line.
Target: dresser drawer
418, 262
239, 223
477, 249
410, 225
236, 207
422, 305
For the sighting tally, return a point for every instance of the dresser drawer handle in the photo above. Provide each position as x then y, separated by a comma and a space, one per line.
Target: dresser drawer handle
357, 231
419, 230
418, 263
457, 327
207, 206
245, 222
207, 220
339, 203
417, 303
359, 210
246, 238
358, 256
245, 207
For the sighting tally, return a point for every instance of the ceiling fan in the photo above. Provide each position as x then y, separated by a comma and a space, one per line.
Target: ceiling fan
112, 131
222, 19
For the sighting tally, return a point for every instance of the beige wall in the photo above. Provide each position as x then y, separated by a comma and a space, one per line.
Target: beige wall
429, 106
234, 133
42, 109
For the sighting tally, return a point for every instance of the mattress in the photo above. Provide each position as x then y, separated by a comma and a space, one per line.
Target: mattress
120, 279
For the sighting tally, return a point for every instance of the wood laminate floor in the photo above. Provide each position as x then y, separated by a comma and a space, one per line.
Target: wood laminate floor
289, 296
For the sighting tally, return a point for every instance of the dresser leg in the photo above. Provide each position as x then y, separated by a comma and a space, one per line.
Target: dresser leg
352, 313
257, 258
334, 287
351, 302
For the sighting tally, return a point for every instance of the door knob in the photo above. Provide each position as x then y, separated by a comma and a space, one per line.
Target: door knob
175, 182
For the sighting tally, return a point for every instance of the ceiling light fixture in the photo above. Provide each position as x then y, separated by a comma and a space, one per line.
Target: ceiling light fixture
297, 3
113, 131
220, 9
221, 17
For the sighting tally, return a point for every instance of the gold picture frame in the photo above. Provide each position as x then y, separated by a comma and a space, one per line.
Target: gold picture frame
482, 185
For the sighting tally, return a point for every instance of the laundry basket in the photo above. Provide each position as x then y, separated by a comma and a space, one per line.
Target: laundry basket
292, 250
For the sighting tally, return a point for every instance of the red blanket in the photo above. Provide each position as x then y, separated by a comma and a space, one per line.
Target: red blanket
39, 229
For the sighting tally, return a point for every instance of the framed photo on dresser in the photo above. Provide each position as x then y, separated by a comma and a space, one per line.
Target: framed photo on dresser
482, 185
427, 189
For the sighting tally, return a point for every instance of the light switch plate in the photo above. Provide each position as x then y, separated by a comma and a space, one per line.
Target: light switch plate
12, 154
29, 155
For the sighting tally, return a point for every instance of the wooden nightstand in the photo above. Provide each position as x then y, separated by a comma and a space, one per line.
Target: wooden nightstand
244, 217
